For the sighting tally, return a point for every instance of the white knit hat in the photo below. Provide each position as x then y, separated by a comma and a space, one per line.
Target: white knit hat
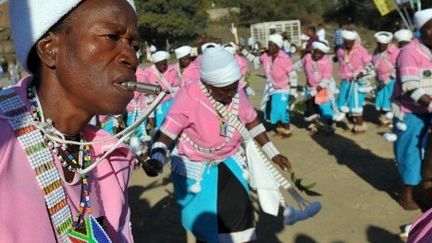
218, 67
349, 35
421, 17
403, 35
160, 56
383, 37
182, 51
31, 19
320, 45
277, 39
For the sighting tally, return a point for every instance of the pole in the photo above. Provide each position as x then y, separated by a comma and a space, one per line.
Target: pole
402, 16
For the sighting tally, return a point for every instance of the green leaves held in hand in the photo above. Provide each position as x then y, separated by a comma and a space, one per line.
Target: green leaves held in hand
304, 188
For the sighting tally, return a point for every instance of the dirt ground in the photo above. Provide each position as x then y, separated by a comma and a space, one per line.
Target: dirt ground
356, 175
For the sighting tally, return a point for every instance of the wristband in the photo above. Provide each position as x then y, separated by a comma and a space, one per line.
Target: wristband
158, 152
257, 130
417, 94
430, 107
270, 150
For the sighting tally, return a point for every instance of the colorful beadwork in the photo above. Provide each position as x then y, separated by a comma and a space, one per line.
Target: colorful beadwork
41, 161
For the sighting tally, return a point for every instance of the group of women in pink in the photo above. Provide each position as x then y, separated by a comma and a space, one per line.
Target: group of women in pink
51, 191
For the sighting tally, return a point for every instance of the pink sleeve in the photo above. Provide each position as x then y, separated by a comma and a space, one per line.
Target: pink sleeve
408, 69
247, 111
366, 57
140, 75
394, 55
172, 76
328, 69
289, 67
178, 115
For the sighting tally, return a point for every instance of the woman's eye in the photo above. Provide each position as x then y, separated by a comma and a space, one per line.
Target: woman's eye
113, 37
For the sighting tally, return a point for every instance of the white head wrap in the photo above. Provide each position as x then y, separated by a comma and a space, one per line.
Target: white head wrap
421, 17
272, 26
219, 68
403, 35
349, 35
153, 49
230, 47
320, 45
31, 19
183, 51
160, 56
277, 39
208, 44
383, 37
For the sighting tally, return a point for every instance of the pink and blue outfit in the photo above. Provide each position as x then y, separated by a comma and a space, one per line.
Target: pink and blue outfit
318, 74
203, 156
414, 67
351, 90
385, 68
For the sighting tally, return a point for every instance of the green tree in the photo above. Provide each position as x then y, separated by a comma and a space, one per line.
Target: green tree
178, 21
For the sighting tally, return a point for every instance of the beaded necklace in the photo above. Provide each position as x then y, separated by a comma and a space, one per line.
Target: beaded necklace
224, 116
48, 177
89, 230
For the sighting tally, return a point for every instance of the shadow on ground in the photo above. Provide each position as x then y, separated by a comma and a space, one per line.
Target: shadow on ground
381, 173
155, 224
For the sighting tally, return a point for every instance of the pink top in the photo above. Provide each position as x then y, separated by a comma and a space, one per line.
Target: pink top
200, 122
413, 59
316, 71
23, 215
189, 74
278, 70
352, 64
385, 62
421, 230
242, 62
168, 80
139, 101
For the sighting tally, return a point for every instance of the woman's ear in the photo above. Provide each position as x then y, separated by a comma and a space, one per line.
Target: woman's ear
47, 49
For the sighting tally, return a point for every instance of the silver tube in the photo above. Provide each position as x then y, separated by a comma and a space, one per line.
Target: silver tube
141, 87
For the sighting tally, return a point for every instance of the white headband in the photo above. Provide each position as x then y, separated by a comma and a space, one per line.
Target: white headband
277, 39
421, 17
321, 46
219, 68
349, 35
160, 56
182, 51
383, 37
31, 19
403, 35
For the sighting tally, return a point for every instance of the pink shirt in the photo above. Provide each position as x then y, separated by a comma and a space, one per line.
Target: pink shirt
168, 80
421, 230
278, 70
414, 58
316, 71
188, 75
242, 62
352, 64
200, 122
23, 215
139, 101
385, 63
